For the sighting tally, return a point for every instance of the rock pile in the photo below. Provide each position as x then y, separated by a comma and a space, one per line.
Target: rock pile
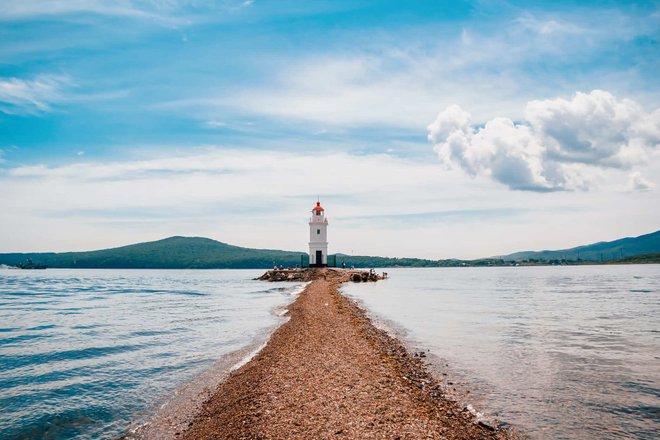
310, 274
285, 275
364, 276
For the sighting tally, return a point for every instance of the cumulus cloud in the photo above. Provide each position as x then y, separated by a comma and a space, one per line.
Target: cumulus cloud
560, 145
31, 96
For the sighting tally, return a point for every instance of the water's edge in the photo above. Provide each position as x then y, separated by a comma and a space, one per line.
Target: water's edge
455, 387
174, 412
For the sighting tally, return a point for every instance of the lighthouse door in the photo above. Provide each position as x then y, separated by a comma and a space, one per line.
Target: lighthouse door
319, 258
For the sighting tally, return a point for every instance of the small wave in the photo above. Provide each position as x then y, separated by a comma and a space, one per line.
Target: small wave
645, 411
8, 362
275, 289
642, 388
150, 332
297, 290
155, 292
89, 326
42, 327
289, 289
8, 329
20, 339
61, 424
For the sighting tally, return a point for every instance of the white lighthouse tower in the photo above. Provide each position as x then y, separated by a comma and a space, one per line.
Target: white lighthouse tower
318, 237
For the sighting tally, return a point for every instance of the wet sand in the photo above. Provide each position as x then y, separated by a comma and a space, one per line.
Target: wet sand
329, 373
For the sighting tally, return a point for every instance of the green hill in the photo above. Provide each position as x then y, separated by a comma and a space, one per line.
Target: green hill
169, 253
621, 249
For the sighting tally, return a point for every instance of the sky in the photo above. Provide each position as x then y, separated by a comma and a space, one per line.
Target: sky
432, 129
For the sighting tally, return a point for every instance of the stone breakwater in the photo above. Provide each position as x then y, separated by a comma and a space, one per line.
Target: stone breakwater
310, 274
329, 373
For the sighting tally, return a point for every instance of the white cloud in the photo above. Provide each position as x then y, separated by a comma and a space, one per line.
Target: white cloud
637, 182
31, 96
560, 145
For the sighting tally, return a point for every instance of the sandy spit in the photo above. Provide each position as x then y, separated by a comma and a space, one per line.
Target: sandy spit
329, 373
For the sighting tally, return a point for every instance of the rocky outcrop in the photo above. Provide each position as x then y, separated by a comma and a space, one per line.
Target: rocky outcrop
311, 274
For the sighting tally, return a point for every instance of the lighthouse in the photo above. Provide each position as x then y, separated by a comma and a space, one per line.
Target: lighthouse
318, 237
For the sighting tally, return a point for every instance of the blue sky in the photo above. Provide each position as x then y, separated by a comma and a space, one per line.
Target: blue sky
438, 125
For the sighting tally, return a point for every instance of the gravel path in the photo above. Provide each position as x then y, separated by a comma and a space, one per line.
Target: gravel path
329, 373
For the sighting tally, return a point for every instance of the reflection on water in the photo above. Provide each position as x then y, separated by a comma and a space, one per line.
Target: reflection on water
84, 352
561, 352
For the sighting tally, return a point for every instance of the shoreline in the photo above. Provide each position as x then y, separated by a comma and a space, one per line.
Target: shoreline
329, 372
455, 386
174, 411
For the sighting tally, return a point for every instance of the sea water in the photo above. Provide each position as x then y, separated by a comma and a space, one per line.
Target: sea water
558, 352
86, 353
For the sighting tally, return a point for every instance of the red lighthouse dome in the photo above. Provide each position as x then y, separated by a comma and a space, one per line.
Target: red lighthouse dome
318, 208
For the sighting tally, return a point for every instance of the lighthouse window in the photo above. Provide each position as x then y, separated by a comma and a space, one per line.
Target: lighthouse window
318, 231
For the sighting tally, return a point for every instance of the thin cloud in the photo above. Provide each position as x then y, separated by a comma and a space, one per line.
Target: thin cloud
170, 13
550, 26
215, 124
31, 96
399, 83
19, 9
29, 9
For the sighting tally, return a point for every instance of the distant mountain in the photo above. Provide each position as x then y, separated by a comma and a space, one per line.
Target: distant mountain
622, 249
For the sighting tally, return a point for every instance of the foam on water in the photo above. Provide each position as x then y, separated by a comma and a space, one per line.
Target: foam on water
86, 353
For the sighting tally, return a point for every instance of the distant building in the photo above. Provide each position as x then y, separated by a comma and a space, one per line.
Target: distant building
318, 237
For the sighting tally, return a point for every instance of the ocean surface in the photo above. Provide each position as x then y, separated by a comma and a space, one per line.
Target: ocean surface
86, 353
558, 352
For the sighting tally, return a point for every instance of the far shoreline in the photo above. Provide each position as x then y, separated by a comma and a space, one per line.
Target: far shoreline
521, 264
